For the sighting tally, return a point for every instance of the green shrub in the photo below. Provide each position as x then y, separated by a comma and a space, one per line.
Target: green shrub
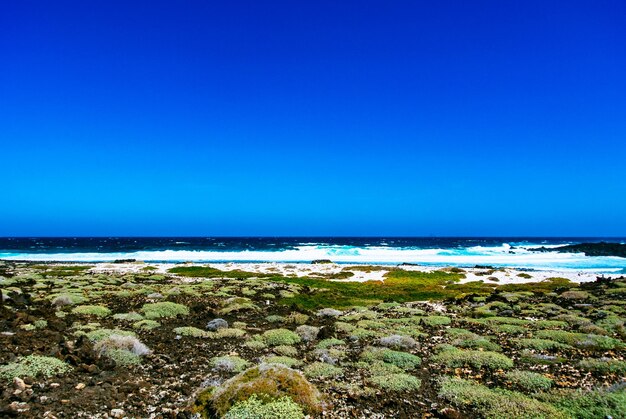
164, 309
229, 363
100, 334
283, 360
285, 350
269, 382
400, 382
327, 343
583, 404
97, 311
297, 318
229, 332
528, 381
508, 329
275, 318
276, 337
581, 340
322, 370
455, 358
125, 350
494, 403
436, 320
146, 324
123, 358
549, 324
33, 366
604, 366
403, 360
255, 408
540, 344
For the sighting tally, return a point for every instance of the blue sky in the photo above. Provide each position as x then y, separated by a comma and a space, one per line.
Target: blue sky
318, 118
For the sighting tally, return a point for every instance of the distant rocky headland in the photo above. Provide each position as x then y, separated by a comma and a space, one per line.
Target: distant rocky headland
589, 249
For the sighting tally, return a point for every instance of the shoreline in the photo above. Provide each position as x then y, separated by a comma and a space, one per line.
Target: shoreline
494, 275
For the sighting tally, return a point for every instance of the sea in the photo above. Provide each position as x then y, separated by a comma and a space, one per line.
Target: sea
430, 251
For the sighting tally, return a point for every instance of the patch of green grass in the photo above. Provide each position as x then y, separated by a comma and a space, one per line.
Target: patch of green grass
436, 320
33, 366
163, 310
257, 408
146, 324
540, 344
581, 340
96, 311
128, 317
398, 286
208, 272
322, 370
229, 363
62, 270
276, 337
547, 285
327, 343
269, 382
101, 334
582, 404
123, 358
287, 361
528, 381
603, 366
494, 403
397, 383
455, 358
403, 360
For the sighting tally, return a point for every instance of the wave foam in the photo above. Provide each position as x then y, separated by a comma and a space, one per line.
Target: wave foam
493, 256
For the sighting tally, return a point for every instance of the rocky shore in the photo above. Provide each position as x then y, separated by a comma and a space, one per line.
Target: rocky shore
137, 340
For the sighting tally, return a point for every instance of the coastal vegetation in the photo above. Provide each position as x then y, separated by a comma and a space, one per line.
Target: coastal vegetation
215, 343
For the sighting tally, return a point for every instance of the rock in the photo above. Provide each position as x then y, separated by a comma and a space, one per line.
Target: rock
80, 386
117, 413
19, 384
321, 261
216, 324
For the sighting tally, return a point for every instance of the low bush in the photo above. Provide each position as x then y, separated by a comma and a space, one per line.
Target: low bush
322, 370
455, 358
33, 366
399, 382
96, 311
229, 363
163, 310
255, 408
276, 337
269, 382
528, 381
494, 403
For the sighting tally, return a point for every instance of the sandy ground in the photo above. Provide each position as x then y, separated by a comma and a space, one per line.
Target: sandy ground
504, 276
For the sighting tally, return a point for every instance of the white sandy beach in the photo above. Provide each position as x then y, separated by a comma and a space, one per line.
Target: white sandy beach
503, 275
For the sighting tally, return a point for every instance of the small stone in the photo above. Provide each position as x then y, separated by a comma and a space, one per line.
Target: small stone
80, 386
216, 324
65, 401
55, 385
117, 413
19, 384
18, 407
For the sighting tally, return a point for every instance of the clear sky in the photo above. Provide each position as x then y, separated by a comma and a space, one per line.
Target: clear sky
313, 118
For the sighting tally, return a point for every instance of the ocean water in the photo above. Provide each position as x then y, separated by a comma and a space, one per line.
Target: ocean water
437, 251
